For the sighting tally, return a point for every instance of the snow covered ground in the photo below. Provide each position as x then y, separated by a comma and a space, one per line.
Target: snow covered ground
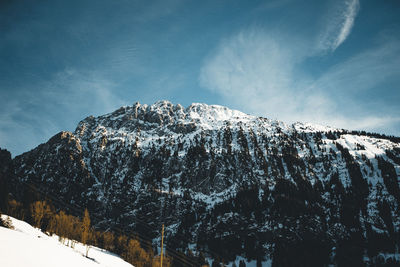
28, 246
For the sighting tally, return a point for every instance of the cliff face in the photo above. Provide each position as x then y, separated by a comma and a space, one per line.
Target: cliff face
6, 174
228, 183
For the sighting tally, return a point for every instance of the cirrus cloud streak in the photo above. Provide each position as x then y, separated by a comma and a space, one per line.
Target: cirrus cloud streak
263, 73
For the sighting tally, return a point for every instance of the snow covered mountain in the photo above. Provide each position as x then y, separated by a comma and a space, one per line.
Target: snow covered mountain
227, 183
27, 246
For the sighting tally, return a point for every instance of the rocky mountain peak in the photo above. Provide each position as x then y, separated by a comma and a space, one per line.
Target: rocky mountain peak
212, 173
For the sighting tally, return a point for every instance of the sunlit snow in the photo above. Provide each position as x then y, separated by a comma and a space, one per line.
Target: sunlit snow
27, 246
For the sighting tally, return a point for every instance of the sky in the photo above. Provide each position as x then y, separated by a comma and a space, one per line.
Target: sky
333, 62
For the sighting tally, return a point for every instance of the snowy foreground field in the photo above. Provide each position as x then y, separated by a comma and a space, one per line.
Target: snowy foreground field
27, 246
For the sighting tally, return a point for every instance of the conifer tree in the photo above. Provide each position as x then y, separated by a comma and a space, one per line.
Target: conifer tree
216, 263
201, 259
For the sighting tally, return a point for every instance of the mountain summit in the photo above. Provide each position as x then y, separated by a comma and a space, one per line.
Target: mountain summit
227, 183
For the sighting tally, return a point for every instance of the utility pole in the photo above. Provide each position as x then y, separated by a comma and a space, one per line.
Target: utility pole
162, 244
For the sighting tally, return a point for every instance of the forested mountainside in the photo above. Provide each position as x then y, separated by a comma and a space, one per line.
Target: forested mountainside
226, 183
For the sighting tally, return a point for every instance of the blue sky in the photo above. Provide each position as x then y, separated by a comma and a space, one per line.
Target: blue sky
334, 62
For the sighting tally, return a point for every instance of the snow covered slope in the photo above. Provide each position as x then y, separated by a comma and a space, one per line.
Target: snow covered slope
27, 246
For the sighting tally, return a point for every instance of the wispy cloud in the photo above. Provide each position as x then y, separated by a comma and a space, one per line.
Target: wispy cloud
72, 88
249, 67
263, 74
256, 72
347, 25
339, 25
364, 70
54, 105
